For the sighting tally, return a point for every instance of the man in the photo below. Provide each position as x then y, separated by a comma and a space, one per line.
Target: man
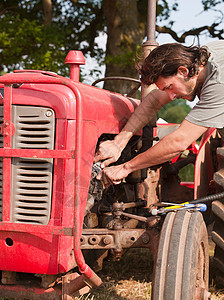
179, 72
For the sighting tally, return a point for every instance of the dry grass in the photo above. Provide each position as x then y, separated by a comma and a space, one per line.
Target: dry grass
130, 279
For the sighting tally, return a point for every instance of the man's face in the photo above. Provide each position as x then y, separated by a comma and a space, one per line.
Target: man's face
178, 86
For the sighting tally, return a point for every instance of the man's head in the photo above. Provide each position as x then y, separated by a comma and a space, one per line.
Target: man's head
176, 62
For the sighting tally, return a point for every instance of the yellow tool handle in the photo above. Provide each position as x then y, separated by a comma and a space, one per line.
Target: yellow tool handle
175, 206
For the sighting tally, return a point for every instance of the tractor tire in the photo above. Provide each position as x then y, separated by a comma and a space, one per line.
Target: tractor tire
218, 229
181, 270
218, 239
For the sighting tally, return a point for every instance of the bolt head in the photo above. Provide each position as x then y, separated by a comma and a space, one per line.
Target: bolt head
48, 113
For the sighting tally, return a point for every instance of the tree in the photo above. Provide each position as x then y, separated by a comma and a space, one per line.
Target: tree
38, 34
124, 35
175, 111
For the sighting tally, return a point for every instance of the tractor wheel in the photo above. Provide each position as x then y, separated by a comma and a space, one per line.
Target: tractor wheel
218, 229
218, 238
182, 266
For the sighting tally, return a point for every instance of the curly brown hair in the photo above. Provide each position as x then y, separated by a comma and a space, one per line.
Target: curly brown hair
167, 58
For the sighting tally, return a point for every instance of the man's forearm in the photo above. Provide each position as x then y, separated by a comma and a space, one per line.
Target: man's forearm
110, 151
169, 147
122, 138
146, 111
142, 115
160, 153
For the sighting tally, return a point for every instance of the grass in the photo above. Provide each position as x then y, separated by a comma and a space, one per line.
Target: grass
131, 277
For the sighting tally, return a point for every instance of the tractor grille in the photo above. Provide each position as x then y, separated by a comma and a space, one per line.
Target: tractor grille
31, 177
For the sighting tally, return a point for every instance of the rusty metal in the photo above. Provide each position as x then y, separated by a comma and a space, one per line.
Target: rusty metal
130, 224
117, 78
115, 239
117, 211
107, 240
48, 281
99, 256
150, 43
153, 221
74, 284
151, 23
91, 220
94, 239
154, 235
131, 92
134, 204
9, 277
131, 216
118, 208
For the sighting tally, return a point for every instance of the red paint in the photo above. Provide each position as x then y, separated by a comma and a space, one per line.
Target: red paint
75, 59
80, 112
204, 157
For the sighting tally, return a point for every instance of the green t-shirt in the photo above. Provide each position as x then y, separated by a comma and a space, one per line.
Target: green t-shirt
209, 110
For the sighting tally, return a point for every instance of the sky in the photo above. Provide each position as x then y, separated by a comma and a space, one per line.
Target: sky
190, 14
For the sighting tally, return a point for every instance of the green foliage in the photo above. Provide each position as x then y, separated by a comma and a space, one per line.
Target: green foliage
123, 60
187, 173
175, 111
27, 44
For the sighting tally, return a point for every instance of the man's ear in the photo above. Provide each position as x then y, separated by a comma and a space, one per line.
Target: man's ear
183, 71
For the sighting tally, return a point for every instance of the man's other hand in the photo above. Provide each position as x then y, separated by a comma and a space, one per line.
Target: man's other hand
113, 175
109, 152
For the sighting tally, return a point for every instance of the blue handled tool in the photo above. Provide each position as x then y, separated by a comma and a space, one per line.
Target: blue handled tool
197, 204
189, 206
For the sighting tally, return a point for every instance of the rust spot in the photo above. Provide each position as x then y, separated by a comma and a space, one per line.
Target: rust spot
7, 128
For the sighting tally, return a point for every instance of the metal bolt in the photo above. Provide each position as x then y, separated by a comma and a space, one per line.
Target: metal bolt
118, 254
107, 239
83, 240
94, 239
145, 238
4, 280
48, 113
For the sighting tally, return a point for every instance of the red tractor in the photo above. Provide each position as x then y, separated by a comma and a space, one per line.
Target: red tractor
54, 212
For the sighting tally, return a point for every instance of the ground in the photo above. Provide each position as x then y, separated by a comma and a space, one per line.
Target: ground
130, 278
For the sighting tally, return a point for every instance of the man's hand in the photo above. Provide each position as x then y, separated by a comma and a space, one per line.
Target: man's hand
108, 151
113, 175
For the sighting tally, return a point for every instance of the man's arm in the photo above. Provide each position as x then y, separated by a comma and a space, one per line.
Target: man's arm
110, 151
169, 147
